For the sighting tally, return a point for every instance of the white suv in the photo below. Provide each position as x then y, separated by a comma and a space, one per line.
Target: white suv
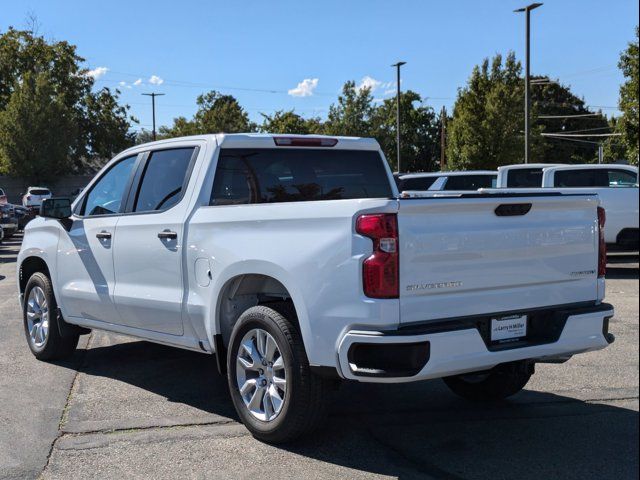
34, 196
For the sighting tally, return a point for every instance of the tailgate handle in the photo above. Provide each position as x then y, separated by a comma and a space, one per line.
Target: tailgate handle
512, 209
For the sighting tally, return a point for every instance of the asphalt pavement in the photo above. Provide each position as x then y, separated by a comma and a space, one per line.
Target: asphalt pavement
126, 408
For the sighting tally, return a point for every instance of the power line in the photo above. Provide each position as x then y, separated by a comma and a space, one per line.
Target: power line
571, 116
581, 134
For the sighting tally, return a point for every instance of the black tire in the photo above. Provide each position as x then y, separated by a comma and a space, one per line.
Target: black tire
497, 384
55, 346
304, 403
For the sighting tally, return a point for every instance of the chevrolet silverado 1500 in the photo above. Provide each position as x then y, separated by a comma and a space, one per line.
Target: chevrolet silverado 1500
295, 262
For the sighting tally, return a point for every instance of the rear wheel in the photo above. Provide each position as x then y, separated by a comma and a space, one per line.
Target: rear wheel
273, 390
40, 315
497, 384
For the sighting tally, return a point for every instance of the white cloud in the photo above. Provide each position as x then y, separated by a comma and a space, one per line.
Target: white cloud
369, 82
137, 82
155, 80
390, 91
305, 88
122, 84
97, 72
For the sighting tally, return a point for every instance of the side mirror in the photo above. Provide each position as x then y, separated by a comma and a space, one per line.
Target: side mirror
59, 208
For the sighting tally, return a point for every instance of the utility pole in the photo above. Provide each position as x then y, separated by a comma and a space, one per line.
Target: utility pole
527, 69
398, 65
443, 142
600, 153
153, 110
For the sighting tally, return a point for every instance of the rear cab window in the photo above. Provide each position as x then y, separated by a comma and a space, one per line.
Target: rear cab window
39, 191
417, 183
263, 175
595, 177
524, 178
470, 182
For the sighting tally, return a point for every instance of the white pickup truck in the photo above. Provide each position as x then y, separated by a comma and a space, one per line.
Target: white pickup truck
294, 261
616, 186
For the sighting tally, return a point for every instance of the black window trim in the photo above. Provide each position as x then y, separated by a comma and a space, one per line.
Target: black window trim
133, 184
134, 192
125, 193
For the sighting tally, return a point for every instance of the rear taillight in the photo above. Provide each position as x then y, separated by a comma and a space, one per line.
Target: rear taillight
602, 247
28, 197
380, 272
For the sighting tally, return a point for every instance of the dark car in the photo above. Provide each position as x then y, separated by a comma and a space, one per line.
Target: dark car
24, 215
8, 219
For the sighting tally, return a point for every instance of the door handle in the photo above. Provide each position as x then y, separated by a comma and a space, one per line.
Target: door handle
167, 235
103, 235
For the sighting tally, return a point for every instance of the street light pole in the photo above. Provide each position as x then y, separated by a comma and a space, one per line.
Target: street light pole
527, 68
398, 65
153, 110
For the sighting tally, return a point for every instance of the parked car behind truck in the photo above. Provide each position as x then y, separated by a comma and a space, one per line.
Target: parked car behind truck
292, 259
616, 186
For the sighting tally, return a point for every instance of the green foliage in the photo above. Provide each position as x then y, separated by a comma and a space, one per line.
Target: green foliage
89, 126
27, 147
216, 113
486, 130
554, 100
628, 102
351, 116
419, 142
290, 122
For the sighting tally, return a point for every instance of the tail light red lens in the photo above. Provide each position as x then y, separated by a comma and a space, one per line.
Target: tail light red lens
602, 249
380, 272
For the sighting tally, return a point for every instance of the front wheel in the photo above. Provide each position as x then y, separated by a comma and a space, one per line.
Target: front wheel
40, 315
497, 384
274, 392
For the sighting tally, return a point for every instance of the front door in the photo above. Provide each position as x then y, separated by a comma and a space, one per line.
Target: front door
148, 250
84, 270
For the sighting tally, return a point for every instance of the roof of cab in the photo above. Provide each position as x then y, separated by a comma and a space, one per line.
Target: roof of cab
262, 140
595, 166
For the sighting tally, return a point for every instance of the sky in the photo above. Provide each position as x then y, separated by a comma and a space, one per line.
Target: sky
282, 54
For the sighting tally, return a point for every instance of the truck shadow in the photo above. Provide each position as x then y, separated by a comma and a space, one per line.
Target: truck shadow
622, 267
411, 430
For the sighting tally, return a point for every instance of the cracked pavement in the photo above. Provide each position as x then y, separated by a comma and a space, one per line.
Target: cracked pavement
122, 407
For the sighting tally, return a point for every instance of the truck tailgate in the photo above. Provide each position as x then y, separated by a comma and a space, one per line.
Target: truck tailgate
459, 257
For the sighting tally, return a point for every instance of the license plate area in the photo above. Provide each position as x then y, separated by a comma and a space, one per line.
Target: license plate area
512, 328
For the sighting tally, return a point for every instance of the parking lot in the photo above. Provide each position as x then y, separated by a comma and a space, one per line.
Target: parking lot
127, 408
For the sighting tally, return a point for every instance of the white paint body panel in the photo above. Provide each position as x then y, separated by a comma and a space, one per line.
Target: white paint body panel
140, 287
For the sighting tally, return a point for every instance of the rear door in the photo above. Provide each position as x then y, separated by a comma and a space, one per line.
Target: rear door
469, 255
149, 243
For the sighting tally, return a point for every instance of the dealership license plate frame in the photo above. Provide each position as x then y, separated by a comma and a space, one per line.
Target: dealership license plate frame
512, 328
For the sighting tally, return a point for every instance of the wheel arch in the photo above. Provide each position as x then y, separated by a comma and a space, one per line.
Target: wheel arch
30, 265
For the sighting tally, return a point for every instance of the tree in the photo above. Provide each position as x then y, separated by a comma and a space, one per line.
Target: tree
486, 129
290, 122
216, 113
351, 116
554, 99
98, 124
27, 146
419, 142
628, 102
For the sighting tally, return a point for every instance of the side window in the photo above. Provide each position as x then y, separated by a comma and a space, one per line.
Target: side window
233, 182
163, 179
105, 197
622, 178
